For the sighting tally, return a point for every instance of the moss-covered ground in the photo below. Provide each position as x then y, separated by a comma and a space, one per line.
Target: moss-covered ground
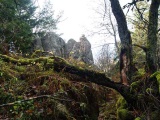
30, 89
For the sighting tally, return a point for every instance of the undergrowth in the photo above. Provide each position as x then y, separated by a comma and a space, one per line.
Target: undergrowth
36, 91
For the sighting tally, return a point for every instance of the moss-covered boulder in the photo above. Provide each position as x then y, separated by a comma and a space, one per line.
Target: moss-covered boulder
124, 114
122, 110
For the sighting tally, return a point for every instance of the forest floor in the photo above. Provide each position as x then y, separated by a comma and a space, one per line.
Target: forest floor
36, 91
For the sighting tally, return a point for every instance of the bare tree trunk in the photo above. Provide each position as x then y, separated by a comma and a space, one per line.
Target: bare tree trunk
126, 43
151, 57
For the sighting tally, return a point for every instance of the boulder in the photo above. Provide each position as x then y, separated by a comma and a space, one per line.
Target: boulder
53, 43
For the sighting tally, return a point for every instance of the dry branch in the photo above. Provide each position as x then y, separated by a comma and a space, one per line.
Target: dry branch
33, 98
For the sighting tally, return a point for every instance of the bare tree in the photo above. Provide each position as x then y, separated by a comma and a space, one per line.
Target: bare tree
105, 60
107, 25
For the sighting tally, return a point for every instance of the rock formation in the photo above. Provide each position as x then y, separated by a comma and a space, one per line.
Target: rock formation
77, 50
81, 50
53, 43
69, 46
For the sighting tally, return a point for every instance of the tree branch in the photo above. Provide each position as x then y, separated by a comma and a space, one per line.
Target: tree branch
142, 47
32, 98
133, 4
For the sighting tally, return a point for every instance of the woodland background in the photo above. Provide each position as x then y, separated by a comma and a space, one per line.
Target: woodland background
123, 85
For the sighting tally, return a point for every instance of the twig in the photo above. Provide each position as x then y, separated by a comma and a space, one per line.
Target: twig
32, 98
142, 47
134, 4
105, 5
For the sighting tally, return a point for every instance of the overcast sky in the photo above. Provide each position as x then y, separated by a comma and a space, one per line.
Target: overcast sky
79, 18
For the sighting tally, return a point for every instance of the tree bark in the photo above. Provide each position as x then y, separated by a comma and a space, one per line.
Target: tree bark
126, 43
151, 57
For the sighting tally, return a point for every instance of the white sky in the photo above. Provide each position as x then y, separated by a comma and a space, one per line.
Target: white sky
79, 18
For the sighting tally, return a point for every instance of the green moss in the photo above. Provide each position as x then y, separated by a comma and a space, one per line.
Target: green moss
157, 75
134, 86
7, 58
20, 68
124, 114
121, 103
8, 73
149, 90
61, 60
37, 53
141, 72
65, 82
155, 115
50, 60
138, 118
22, 77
